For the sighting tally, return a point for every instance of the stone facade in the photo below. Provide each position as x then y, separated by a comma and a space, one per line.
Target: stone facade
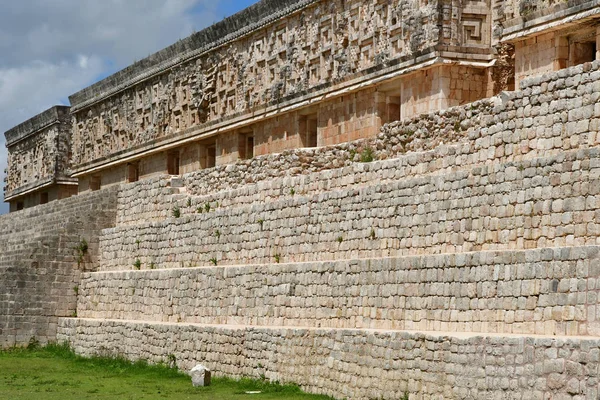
298, 74
38, 160
290, 215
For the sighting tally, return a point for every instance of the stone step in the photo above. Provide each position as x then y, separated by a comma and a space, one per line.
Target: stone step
358, 363
356, 175
547, 202
542, 291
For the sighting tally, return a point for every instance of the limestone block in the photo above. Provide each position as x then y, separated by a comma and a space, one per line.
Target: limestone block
200, 376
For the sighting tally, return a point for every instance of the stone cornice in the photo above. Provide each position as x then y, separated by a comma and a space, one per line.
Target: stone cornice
36, 124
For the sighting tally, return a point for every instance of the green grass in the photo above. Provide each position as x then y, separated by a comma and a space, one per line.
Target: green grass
56, 373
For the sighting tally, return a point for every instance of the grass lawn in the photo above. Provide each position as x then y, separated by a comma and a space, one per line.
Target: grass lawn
56, 373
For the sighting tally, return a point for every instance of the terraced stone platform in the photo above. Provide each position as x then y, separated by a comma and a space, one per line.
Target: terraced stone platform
459, 270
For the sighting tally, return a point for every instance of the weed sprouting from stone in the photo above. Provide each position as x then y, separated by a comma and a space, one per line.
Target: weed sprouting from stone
367, 155
176, 212
277, 258
76, 290
33, 344
218, 234
81, 250
189, 202
292, 191
457, 127
213, 261
340, 239
152, 265
351, 154
373, 235
172, 361
137, 264
261, 222
207, 207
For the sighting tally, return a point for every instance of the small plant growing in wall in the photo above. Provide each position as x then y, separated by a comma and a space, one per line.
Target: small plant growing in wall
76, 290
373, 235
367, 155
137, 242
457, 127
340, 239
172, 361
189, 202
152, 265
213, 261
352, 154
207, 207
137, 264
261, 222
199, 210
218, 234
277, 258
176, 212
292, 191
81, 250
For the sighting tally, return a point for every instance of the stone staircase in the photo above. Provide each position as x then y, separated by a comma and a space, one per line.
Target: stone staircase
462, 272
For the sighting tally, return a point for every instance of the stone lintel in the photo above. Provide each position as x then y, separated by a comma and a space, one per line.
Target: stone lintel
37, 186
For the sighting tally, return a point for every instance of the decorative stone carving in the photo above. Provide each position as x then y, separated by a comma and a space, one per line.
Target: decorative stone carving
327, 41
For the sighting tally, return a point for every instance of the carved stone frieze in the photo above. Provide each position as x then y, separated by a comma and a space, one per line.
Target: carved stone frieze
325, 42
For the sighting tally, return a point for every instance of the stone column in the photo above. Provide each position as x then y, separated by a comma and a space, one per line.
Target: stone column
561, 60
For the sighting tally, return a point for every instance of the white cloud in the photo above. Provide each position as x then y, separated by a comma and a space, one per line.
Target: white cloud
56, 48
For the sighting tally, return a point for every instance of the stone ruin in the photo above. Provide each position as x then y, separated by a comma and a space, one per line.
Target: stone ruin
367, 198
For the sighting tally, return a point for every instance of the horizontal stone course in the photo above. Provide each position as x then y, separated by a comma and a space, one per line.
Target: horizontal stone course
359, 364
545, 202
541, 291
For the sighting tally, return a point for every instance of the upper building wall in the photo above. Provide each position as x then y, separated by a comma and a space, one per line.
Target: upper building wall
38, 152
517, 19
275, 54
548, 35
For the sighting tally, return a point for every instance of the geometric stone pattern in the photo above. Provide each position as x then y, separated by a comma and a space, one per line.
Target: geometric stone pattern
38, 151
324, 42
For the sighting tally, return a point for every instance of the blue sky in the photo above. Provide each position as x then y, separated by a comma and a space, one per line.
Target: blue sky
52, 49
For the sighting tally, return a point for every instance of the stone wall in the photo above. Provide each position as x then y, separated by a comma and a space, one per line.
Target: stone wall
545, 202
39, 266
553, 113
487, 227
361, 364
541, 291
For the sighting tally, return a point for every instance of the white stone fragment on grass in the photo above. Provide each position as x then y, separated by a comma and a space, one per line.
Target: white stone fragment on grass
200, 376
